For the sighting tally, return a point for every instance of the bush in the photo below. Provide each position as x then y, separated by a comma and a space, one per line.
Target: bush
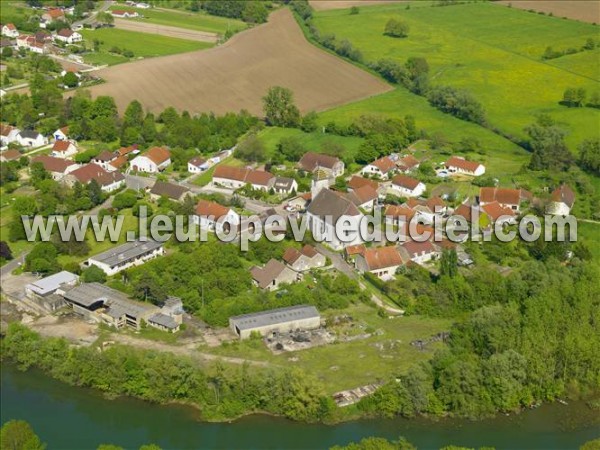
396, 28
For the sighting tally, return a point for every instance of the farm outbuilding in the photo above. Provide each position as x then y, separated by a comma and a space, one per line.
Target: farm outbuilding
302, 317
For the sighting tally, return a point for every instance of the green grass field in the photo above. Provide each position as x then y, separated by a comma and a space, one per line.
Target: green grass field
143, 45
493, 51
348, 365
187, 19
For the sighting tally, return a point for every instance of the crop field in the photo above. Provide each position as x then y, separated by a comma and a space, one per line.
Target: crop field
493, 51
185, 19
238, 74
586, 11
165, 30
143, 45
325, 5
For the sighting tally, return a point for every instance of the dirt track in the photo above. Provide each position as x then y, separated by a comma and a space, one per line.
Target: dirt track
164, 30
237, 75
584, 10
324, 5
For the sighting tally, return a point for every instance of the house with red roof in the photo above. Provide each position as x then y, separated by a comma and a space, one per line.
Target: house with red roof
51, 15
154, 160
405, 186
407, 163
419, 252
10, 155
499, 213
8, 134
68, 36
197, 165
507, 198
562, 200
460, 165
62, 134
212, 216
108, 181
381, 168
304, 259
9, 30
238, 177
380, 261
63, 149
311, 162
58, 168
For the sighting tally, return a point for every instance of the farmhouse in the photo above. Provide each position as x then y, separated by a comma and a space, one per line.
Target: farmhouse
9, 30
236, 177
272, 275
304, 259
128, 255
197, 165
407, 163
381, 168
51, 284
325, 210
405, 186
460, 165
108, 181
62, 134
281, 320
311, 162
214, 217
63, 149
68, 36
507, 198
31, 138
56, 167
8, 134
381, 262
95, 301
499, 213
104, 158
10, 155
154, 160
169, 190
561, 202
419, 252
285, 185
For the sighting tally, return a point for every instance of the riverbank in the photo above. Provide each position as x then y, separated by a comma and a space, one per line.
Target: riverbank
54, 409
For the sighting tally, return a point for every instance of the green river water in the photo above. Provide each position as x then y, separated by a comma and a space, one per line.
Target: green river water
66, 417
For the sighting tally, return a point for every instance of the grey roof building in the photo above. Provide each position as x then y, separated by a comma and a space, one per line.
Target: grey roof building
49, 285
281, 320
127, 255
169, 190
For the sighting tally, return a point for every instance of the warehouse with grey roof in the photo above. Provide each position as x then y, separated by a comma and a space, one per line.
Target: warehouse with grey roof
282, 320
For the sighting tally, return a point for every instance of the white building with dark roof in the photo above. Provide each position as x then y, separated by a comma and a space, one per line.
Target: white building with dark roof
125, 256
282, 320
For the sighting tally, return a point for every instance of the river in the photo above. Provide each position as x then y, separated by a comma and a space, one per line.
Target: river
67, 417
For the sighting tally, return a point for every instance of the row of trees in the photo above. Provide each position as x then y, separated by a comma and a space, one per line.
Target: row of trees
575, 97
551, 53
248, 11
163, 377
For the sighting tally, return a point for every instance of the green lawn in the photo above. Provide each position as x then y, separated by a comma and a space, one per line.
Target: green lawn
271, 136
350, 364
143, 45
187, 19
493, 51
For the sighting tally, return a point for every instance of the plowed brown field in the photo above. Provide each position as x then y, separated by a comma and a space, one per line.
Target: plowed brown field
237, 74
584, 10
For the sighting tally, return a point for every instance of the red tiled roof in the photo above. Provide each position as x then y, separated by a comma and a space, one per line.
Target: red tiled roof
382, 257
291, 254
405, 181
564, 194
357, 249
65, 32
494, 210
501, 195
408, 162
259, 177
435, 202
127, 150
61, 146
384, 164
51, 164
6, 129
357, 182
90, 172
461, 163
105, 156
364, 194
11, 155
55, 13
10, 26
310, 161
197, 161
158, 155
119, 162
414, 247
399, 212
207, 208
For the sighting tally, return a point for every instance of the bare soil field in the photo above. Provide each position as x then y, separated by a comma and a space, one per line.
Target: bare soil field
164, 30
583, 10
325, 5
238, 74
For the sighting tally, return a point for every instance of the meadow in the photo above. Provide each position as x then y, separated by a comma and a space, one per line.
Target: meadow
143, 45
186, 19
493, 51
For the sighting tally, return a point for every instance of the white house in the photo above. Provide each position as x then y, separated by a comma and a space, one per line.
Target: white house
459, 165
381, 168
108, 181
154, 160
236, 178
285, 185
124, 256
104, 158
214, 217
197, 165
9, 30
419, 252
311, 162
61, 134
380, 261
31, 138
63, 149
562, 200
221, 156
68, 36
304, 259
405, 186
8, 134
326, 209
